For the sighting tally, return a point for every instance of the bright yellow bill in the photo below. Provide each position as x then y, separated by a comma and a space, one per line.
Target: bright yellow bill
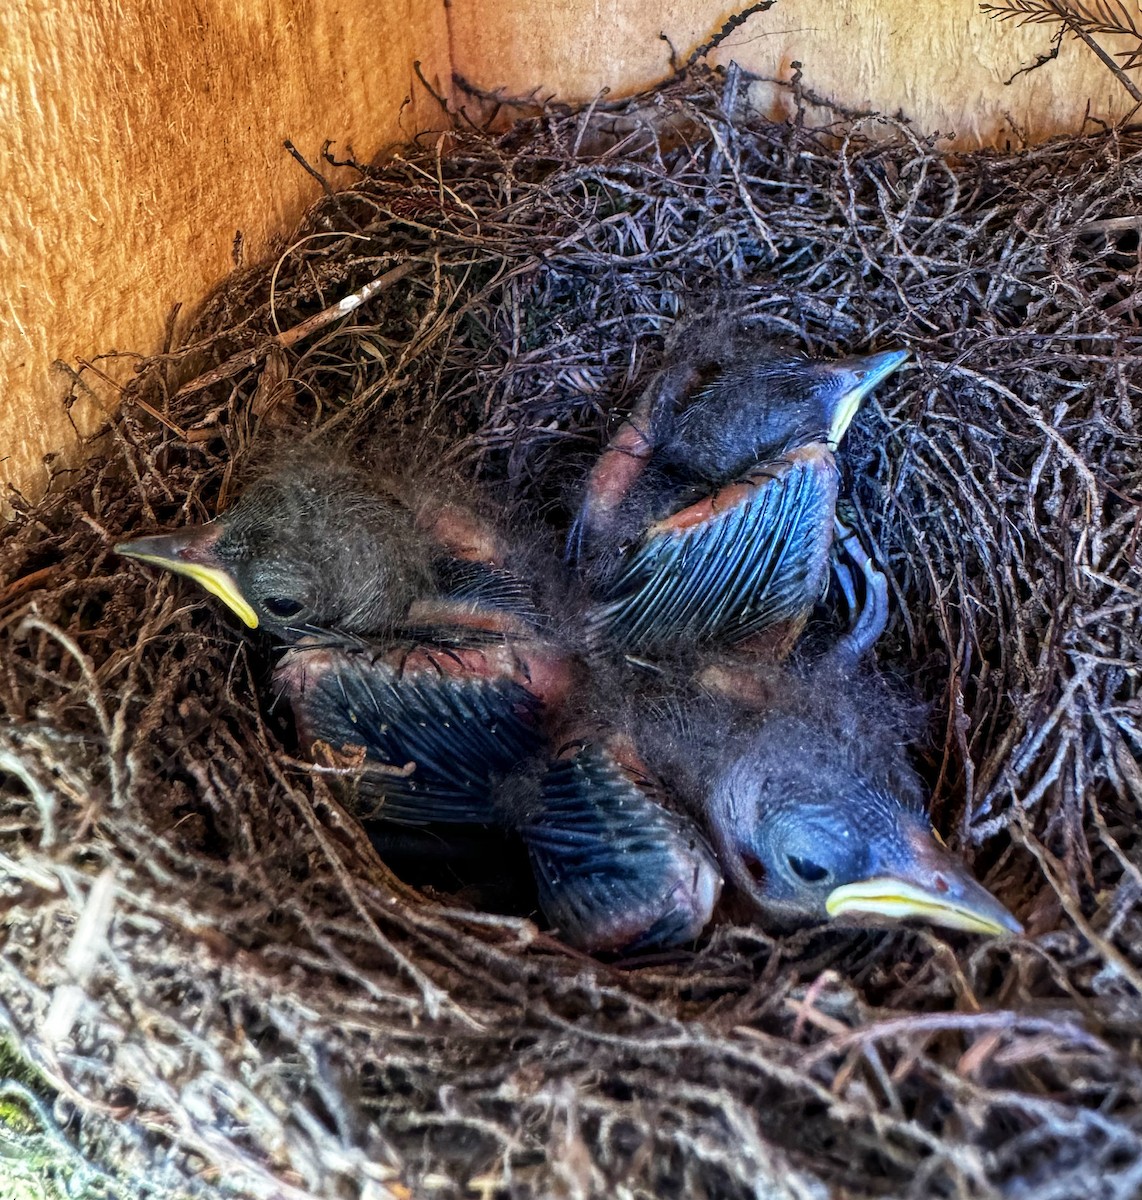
843, 418
897, 900
863, 374
213, 579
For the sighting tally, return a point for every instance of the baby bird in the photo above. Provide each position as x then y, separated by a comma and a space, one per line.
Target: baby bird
816, 815
400, 606
314, 545
802, 782
709, 519
418, 660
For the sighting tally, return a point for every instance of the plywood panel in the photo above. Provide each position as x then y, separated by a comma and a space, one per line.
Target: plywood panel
941, 62
137, 138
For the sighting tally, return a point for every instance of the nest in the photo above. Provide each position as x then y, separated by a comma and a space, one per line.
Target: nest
206, 960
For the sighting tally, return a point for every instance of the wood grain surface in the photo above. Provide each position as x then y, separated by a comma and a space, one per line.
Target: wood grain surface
139, 138
942, 63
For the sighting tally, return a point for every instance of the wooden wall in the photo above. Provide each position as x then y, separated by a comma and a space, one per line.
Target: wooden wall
139, 137
941, 62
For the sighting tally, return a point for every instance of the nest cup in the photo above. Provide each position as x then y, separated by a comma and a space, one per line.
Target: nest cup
222, 985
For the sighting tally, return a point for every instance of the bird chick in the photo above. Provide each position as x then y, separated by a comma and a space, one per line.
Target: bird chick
709, 517
419, 662
314, 545
802, 781
473, 733
810, 827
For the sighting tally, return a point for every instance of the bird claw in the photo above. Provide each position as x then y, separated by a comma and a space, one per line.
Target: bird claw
868, 615
842, 573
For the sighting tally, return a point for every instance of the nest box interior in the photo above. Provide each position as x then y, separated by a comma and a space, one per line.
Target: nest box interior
475, 224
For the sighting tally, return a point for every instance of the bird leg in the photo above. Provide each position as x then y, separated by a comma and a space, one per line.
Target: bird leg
868, 618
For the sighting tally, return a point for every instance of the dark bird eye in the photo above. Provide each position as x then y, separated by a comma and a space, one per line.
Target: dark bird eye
810, 871
282, 606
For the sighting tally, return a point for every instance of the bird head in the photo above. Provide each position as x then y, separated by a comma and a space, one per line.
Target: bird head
761, 405
807, 838
842, 386
306, 546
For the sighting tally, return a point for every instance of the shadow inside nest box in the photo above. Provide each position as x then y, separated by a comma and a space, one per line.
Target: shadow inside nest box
456, 868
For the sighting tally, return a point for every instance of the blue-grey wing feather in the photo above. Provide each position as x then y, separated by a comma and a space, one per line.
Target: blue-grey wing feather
614, 869
747, 568
461, 734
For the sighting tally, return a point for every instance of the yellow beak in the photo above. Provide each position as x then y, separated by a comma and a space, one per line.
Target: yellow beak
863, 374
927, 883
188, 553
977, 911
